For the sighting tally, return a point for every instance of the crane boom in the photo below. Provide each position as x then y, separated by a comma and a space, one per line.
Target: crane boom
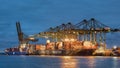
19, 31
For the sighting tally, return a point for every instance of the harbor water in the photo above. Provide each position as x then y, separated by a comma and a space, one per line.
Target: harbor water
59, 62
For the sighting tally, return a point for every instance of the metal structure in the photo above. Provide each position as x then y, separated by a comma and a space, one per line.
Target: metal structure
91, 30
23, 39
58, 33
20, 33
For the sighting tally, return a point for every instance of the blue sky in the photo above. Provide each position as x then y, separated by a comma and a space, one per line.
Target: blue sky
38, 15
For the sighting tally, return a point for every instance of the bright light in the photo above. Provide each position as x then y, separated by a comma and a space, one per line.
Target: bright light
42, 47
66, 57
114, 47
22, 45
87, 43
72, 39
101, 50
46, 36
48, 41
69, 39
60, 44
31, 38
114, 58
66, 39
68, 62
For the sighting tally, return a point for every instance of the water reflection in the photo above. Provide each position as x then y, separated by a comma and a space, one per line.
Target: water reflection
91, 62
59, 62
116, 62
78, 62
69, 62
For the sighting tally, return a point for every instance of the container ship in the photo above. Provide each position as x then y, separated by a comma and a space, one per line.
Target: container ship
55, 48
15, 51
66, 48
86, 38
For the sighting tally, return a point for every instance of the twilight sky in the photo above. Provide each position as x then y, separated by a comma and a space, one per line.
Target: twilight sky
38, 15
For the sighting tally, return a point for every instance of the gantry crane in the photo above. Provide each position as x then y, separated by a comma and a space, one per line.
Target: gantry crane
87, 30
23, 39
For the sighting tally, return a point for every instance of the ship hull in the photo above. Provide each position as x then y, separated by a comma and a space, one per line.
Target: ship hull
16, 53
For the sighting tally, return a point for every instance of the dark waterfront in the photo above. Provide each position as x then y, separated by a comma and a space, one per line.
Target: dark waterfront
59, 62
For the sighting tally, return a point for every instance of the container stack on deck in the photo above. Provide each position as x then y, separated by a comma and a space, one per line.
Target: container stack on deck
63, 48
